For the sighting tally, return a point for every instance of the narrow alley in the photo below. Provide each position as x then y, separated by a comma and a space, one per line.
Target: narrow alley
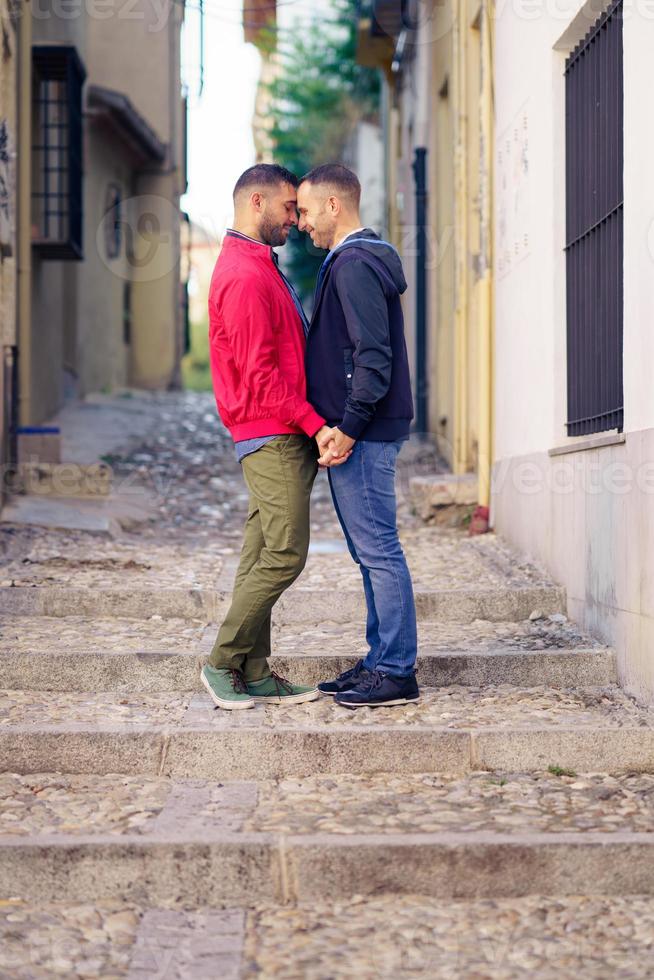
149, 835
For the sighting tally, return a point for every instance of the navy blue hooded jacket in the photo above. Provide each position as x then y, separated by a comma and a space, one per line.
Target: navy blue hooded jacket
356, 358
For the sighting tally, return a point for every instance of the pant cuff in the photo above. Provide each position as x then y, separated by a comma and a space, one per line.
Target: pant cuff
256, 669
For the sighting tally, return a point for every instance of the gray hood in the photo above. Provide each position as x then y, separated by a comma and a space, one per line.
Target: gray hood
370, 241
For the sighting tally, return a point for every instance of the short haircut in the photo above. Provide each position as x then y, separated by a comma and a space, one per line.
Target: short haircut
264, 175
340, 181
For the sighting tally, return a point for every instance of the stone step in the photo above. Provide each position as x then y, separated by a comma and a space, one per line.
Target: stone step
424, 938
452, 729
152, 671
158, 655
441, 668
197, 842
297, 606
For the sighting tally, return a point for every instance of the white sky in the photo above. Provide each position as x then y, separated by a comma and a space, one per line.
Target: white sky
220, 123
220, 131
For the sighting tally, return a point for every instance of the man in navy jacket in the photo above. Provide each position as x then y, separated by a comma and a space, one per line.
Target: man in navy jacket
358, 380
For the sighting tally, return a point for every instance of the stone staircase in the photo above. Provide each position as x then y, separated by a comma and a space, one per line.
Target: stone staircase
524, 779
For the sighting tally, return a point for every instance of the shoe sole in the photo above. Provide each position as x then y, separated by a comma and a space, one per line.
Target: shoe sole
221, 703
289, 699
377, 704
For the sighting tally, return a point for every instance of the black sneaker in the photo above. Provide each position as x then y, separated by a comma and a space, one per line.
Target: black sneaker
345, 681
380, 689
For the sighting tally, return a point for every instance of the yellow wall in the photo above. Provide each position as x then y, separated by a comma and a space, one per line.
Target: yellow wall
73, 342
156, 340
460, 215
441, 98
442, 246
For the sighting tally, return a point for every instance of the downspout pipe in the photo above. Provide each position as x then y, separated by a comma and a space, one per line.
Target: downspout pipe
422, 384
21, 359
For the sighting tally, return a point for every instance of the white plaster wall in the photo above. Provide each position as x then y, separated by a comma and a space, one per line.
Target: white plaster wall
369, 165
530, 298
588, 515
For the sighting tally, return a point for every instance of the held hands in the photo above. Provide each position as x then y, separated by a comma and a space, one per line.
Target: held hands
335, 447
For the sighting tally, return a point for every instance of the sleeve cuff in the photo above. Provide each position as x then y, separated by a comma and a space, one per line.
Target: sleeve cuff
311, 422
353, 425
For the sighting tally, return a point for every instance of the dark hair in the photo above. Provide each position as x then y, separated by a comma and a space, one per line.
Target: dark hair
264, 175
338, 178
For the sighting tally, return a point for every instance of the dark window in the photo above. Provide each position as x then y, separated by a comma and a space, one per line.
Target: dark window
127, 313
111, 221
57, 152
594, 228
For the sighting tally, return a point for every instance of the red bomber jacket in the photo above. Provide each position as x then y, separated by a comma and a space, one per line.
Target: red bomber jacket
257, 343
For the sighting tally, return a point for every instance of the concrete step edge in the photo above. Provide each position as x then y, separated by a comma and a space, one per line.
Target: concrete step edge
426, 652
160, 671
290, 870
495, 605
212, 837
262, 753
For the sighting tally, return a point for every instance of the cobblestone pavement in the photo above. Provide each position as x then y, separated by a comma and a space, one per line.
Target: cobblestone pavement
430, 803
538, 802
79, 633
439, 558
194, 483
480, 636
79, 710
452, 707
66, 940
394, 938
189, 470
45, 803
455, 707
32, 634
550, 939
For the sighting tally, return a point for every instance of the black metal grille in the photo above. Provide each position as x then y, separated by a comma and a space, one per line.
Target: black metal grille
594, 227
57, 152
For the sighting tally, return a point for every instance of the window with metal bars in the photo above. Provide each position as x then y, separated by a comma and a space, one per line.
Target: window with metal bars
594, 227
57, 152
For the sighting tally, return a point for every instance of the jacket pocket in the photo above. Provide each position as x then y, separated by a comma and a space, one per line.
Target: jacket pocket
348, 367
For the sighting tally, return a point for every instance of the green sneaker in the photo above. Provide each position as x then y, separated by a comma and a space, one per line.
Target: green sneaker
277, 690
226, 687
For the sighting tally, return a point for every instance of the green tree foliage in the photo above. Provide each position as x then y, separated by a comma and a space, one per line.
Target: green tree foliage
318, 97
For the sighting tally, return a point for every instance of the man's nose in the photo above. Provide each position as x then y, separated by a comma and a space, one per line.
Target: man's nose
301, 223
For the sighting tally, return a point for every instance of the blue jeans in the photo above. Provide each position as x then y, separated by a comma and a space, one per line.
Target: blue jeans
363, 490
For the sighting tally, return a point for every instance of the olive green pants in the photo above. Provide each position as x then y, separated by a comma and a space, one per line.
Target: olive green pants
279, 477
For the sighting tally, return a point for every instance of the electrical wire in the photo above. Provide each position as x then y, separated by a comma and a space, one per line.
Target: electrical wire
271, 28
216, 15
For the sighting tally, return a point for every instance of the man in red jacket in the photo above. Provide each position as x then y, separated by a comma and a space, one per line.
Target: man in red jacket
257, 336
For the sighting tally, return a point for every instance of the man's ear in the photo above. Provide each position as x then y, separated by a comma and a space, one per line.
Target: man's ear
334, 205
256, 200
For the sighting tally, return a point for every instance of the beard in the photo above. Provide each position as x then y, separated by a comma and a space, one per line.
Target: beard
272, 231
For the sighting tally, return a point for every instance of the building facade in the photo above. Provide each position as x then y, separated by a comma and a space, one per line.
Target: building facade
100, 169
574, 405
437, 61
9, 67
517, 162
